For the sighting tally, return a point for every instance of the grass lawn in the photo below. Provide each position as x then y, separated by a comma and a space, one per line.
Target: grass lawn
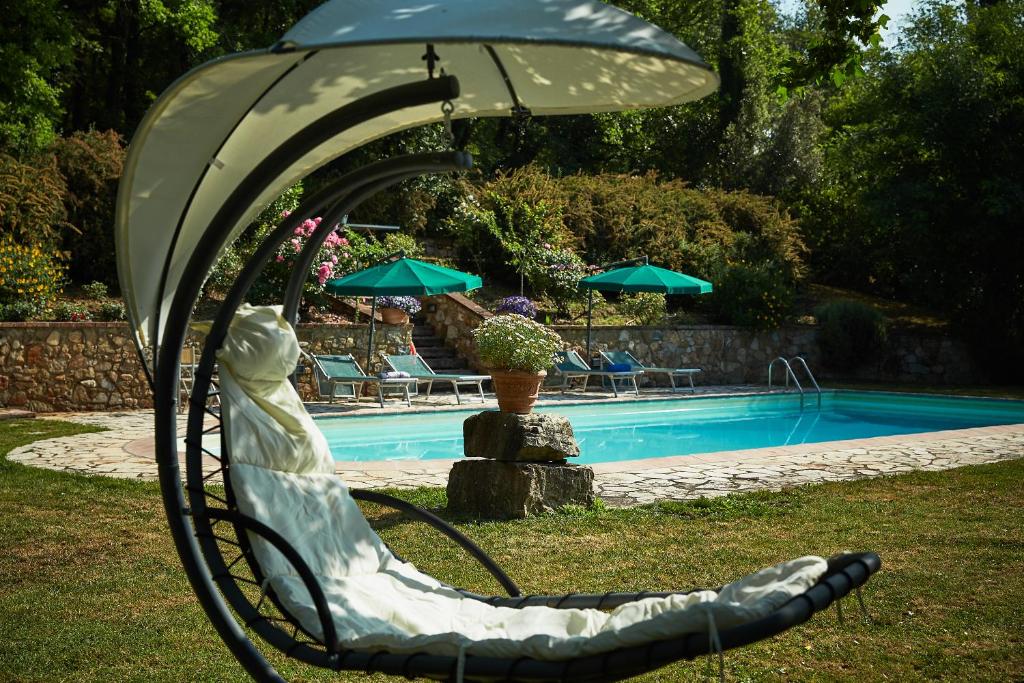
92, 588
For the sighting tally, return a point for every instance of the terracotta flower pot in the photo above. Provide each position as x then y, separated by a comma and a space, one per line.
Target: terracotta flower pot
516, 389
394, 316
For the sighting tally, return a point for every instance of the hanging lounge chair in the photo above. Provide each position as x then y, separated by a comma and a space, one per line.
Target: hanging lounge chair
218, 145
331, 576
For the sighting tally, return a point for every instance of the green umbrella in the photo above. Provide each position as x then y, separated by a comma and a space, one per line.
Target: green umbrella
639, 278
400, 276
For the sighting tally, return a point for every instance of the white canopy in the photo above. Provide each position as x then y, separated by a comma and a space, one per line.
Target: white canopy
209, 129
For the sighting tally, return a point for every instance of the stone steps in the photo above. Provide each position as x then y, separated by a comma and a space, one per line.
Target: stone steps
439, 357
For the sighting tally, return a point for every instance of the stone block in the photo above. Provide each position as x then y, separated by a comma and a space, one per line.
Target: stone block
535, 437
492, 489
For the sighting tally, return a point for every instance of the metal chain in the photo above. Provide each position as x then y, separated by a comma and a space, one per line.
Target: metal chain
447, 108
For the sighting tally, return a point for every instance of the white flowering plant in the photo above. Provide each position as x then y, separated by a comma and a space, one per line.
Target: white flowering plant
512, 342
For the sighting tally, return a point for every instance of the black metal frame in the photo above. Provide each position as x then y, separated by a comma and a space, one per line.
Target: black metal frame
194, 524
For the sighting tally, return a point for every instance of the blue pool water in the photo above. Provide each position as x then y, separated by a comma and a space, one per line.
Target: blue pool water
649, 429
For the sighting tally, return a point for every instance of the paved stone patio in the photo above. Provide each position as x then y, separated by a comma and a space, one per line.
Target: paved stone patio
126, 451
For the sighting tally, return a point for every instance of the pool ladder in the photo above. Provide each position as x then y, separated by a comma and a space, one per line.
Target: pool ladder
788, 364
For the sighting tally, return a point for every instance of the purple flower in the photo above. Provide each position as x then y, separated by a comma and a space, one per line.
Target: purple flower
519, 305
409, 304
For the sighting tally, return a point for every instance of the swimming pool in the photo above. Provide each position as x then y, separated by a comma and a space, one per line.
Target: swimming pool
634, 430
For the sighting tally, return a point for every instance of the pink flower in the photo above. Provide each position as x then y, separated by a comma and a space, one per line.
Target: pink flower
343, 242
298, 231
286, 213
296, 244
279, 258
334, 258
546, 246
318, 220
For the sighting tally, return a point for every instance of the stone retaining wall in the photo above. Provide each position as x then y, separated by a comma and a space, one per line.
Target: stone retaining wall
730, 355
82, 366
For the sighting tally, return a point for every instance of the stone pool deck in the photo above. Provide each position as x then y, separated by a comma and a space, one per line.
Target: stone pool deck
125, 450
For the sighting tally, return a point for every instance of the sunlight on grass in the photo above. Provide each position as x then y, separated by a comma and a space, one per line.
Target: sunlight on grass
94, 590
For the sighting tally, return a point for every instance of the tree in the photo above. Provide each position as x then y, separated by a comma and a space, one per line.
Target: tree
924, 188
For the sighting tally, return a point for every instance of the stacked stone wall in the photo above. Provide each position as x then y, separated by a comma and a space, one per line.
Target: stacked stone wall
83, 366
731, 355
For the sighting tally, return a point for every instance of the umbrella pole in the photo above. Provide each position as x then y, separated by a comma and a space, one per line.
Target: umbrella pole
590, 321
373, 327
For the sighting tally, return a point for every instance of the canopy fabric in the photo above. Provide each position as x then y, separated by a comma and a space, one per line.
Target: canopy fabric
646, 278
403, 277
212, 127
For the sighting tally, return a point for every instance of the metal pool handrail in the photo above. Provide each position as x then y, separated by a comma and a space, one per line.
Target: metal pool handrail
809, 374
789, 373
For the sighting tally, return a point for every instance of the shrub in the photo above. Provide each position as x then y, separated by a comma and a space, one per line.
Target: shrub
501, 226
111, 311
756, 296
849, 333
28, 273
512, 342
556, 273
95, 290
518, 305
409, 304
32, 200
69, 311
90, 163
19, 311
643, 308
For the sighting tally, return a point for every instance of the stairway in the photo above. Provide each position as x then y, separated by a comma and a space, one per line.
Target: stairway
439, 357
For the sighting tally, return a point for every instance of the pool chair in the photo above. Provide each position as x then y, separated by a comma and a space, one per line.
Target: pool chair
303, 568
626, 358
421, 372
570, 367
341, 377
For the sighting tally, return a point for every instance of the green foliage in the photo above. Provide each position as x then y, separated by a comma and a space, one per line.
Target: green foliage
90, 163
29, 273
19, 311
752, 295
502, 226
643, 308
556, 273
95, 290
31, 200
111, 311
922, 198
69, 311
512, 342
36, 47
849, 334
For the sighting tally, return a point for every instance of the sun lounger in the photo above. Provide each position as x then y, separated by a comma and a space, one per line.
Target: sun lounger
570, 366
626, 358
341, 377
420, 371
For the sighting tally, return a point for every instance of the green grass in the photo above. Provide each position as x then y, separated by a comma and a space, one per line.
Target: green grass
92, 588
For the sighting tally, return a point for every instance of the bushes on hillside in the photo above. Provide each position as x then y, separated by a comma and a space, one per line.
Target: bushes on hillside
90, 164
30, 276
849, 333
745, 244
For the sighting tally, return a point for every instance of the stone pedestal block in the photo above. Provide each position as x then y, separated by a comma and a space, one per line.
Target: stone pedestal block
535, 437
493, 489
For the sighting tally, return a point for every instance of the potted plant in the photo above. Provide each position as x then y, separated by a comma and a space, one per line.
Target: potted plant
518, 352
395, 310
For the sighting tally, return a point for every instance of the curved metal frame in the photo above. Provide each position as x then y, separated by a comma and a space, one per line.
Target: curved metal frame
166, 366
